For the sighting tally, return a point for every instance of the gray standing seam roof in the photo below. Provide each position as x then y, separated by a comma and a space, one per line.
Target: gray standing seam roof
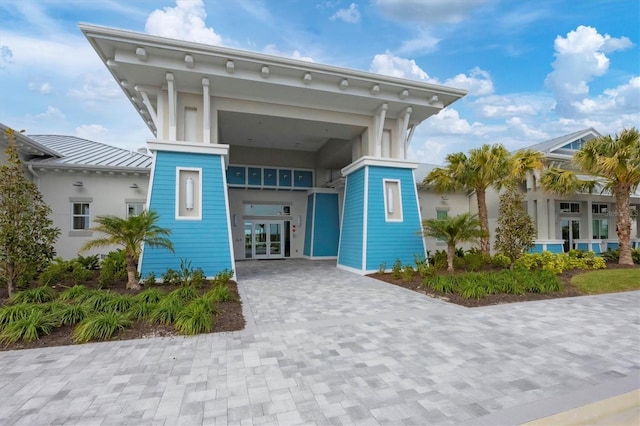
82, 152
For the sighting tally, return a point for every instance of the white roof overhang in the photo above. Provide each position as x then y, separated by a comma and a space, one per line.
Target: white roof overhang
141, 60
27, 146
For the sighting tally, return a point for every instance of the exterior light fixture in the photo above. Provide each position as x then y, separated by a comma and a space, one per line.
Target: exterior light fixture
390, 200
134, 186
189, 193
78, 183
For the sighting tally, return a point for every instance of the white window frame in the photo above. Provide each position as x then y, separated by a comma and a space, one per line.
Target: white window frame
392, 207
87, 216
569, 210
141, 204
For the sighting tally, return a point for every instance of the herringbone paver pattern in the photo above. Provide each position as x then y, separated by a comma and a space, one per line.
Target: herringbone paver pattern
325, 346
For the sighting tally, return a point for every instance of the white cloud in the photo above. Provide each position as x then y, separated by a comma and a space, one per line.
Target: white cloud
625, 97
6, 56
477, 83
96, 87
186, 21
512, 105
424, 42
92, 132
271, 49
52, 113
580, 57
448, 122
350, 15
428, 12
519, 128
395, 66
43, 88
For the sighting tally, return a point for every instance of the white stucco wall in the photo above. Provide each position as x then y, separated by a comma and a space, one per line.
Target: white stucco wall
430, 202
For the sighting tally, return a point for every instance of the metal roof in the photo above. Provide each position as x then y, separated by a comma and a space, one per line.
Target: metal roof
26, 145
77, 152
553, 144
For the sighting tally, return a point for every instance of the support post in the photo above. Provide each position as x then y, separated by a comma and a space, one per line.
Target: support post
206, 112
172, 107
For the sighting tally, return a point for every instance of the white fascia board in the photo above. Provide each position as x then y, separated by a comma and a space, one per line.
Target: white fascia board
194, 148
380, 162
80, 167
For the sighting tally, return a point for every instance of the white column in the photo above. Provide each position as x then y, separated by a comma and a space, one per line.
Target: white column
206, 112
378, 123
172, 107
589, 221
403, 129
551, 224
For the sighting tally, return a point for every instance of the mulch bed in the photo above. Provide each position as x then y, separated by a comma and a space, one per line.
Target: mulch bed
492, 299
228, 318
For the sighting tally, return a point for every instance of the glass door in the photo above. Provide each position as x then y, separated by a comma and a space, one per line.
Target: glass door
570, 232
263, 239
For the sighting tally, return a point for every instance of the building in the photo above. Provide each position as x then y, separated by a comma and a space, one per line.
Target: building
262, 157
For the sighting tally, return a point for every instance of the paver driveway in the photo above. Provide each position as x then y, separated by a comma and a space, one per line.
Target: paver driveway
325, 346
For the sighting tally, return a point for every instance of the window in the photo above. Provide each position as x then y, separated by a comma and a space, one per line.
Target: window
566, 207
442, 214
266, 210
134, 209
600, 229
599, 208
80, 216
575, 145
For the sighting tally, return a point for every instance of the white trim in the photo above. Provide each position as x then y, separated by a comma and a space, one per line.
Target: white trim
188, 147
179, 190
356, 271
320, 257
148, 203
322, 191
365, 221
372, 161
226, 206
206, 112
313, 221
415, 191
385, 195
344, 198
72, 202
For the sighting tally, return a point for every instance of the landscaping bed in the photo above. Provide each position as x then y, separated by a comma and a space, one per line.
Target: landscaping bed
227, 316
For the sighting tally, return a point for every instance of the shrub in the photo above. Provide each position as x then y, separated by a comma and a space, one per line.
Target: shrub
98, 300
184, 293
64, 271
559, 262
119, 303
100, 326
474, 260
151, 295
171, 277
420, 261
439, 260
37, 323
471, 287
223, 277
72, 314
427, 271
195, 318
613, 256
40, 294
407, 273
219, 293
441, 283
73, 293
141, 310
167, 310
149, 280
113, 269
382, 268
90, 263
501, 261
396, 269
12, 313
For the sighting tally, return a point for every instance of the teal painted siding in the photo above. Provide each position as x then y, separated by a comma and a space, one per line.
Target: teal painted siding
612, 246
387, 241
308, 224
555, 248
204, 242
326, 229
536, 249
350, 253
583, 246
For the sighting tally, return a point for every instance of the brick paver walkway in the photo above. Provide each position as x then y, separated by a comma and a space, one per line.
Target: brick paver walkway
325, 346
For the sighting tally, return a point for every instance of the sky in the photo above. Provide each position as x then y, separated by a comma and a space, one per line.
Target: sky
534, 70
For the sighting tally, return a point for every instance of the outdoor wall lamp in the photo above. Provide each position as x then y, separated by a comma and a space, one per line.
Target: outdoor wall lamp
134, 186
189, 193
77, 183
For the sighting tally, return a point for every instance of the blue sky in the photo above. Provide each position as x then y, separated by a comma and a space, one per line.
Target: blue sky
534, 69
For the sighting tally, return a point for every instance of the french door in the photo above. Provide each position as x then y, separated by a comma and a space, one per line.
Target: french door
263, 239
570, 232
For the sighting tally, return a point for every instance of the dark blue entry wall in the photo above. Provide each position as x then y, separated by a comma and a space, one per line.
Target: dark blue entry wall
322, 225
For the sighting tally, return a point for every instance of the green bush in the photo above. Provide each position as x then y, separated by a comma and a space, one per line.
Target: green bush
420, 260
141, 310
382, 268
100, 326
73, 293
441, 283
72, 314
559, 262
151, 295
613, 256
471, 286
12, 313
119, 303
195, 318
223, 277
98, 300
113, 269
474, 260
396, 269
184, 293
149, 280
439, 260
219, 293
171, 277
64, 271
407, 273
91, 263
40, 294
167, 310
37, 323
501, 261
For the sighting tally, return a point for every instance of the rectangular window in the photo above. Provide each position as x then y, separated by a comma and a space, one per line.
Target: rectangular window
80, 215
600, 229
392, 200
566, 207
134, 209
599, 208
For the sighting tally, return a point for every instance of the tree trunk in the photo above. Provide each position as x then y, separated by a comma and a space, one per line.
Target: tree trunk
451, 252
132, 282
11, 282
485, 240
623, 223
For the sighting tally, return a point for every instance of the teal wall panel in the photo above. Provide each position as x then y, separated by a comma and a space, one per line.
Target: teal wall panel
351, 249
326, 228
308, 225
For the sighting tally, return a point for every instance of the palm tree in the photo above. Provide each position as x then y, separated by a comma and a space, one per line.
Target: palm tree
616, 160
131, 233
484, 167
453, 230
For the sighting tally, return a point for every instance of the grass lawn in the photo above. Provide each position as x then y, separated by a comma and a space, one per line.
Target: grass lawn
608, 281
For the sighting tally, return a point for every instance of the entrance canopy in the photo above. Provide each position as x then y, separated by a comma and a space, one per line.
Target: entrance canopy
145, 66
